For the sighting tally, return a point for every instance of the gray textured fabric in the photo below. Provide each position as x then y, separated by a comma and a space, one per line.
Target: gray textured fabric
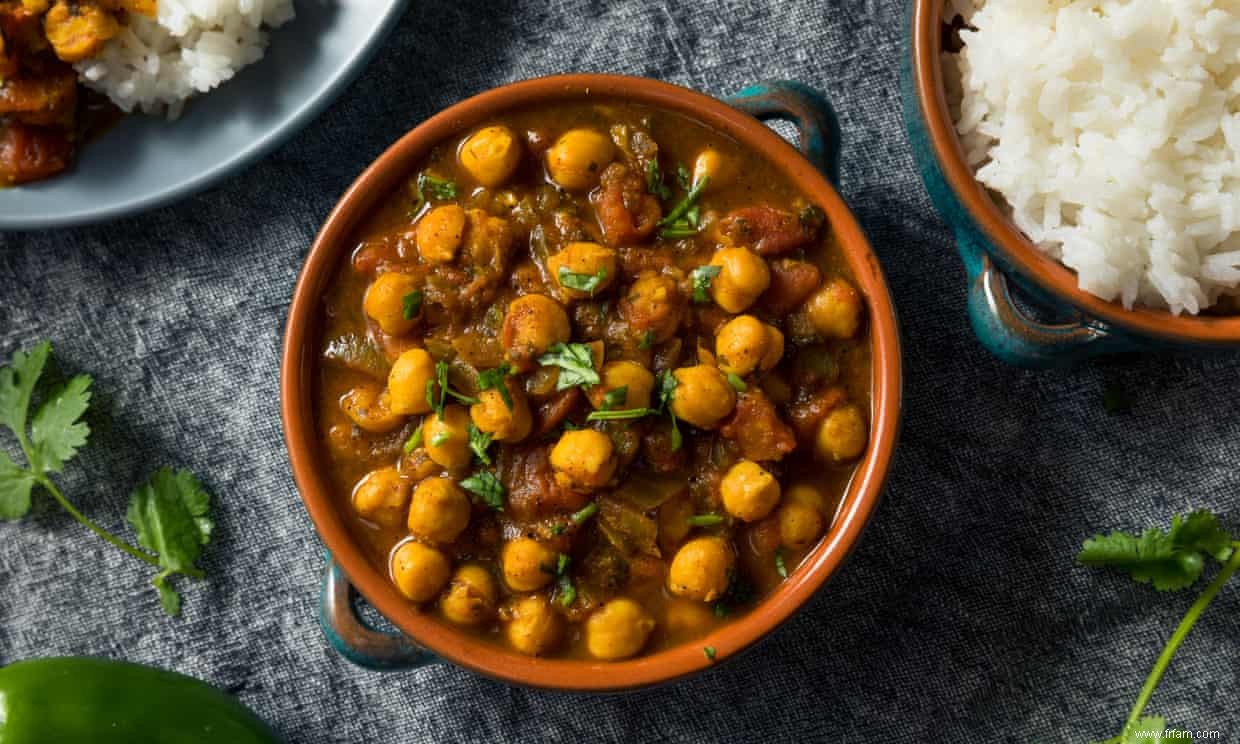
960, 618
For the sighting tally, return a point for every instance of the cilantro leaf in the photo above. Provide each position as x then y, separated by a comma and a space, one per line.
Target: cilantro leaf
15, 485
169, 513
17, 381
780, 567
56, 432
564, 581
702, 277
614, 398
587, 283
411, 305
646, 341
1169, 560
654, 181
487, 488
438, 390
689, 202
494, 379
576, 364
479, 441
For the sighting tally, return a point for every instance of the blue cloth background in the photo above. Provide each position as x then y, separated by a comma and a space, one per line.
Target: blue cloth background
961, 617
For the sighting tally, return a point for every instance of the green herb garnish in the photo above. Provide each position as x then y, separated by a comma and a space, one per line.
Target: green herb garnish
647, 340
438, 390
1170, 560
564, 581
587, 283
411, 305
682, 176
615, 397
737, 383
584, 513
665, 387
576, 365
681, 210
702, 277
479, 441
414, 441
440, 439
487, 488
493, 379
709, 651
654, 181
624, 414
780, 568
170, 512
738, 593
704, 520
441, 189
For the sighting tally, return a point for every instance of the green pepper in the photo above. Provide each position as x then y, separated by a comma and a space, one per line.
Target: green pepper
56, 701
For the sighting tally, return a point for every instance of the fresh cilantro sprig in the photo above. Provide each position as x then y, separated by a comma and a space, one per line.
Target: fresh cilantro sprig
493, 379
665, 387
411, 305
588, 283
702, 277
427, 186
1170, 560
567, 593
487, 488
438, 390
479, 441
170, 512
576, 364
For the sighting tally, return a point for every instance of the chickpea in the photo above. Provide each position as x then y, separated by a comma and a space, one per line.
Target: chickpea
743, 277
652, 304
578, 157
439, 233
471, 597
618, 629
491, 155
637, 381
381, 497
712, 164
407, 382
746, 343
801, 517
446, 438
384, 302
590, 259
528, 564
438, 511
419, 571
835, 309
370, 408
492, 415
842, 435
703, 396
700, 569
534, 627
685, 618
533, 324
583, 460
748, 491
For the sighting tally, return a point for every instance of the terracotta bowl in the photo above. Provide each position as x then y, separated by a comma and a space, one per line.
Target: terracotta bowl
994, 250
426, 640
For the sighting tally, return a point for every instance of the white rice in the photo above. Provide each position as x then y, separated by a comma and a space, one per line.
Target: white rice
191, 47
1112, 130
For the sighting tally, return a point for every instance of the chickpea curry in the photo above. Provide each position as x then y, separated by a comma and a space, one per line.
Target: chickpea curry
593, 382
44, 115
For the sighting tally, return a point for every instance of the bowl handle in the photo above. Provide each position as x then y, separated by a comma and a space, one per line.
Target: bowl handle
1008, 333
818, 130
356, 640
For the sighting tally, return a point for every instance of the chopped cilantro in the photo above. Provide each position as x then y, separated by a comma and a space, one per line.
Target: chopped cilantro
614, 398
587, 283
493, 379
704, 520
479, 441
647, 340
737, 383
411, 305
702, 277
487, 488
576, 365
780, 567
709, 651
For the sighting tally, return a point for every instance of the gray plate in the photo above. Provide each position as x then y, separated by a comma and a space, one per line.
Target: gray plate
144, 162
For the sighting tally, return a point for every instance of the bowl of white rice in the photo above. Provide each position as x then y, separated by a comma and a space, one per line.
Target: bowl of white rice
209, 87
1088, 153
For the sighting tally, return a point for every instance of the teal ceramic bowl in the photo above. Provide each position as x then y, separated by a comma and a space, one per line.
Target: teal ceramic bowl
996, 255
145, 162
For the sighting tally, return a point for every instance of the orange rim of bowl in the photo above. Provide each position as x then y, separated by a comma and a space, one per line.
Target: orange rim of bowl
1018, 250
299, 356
